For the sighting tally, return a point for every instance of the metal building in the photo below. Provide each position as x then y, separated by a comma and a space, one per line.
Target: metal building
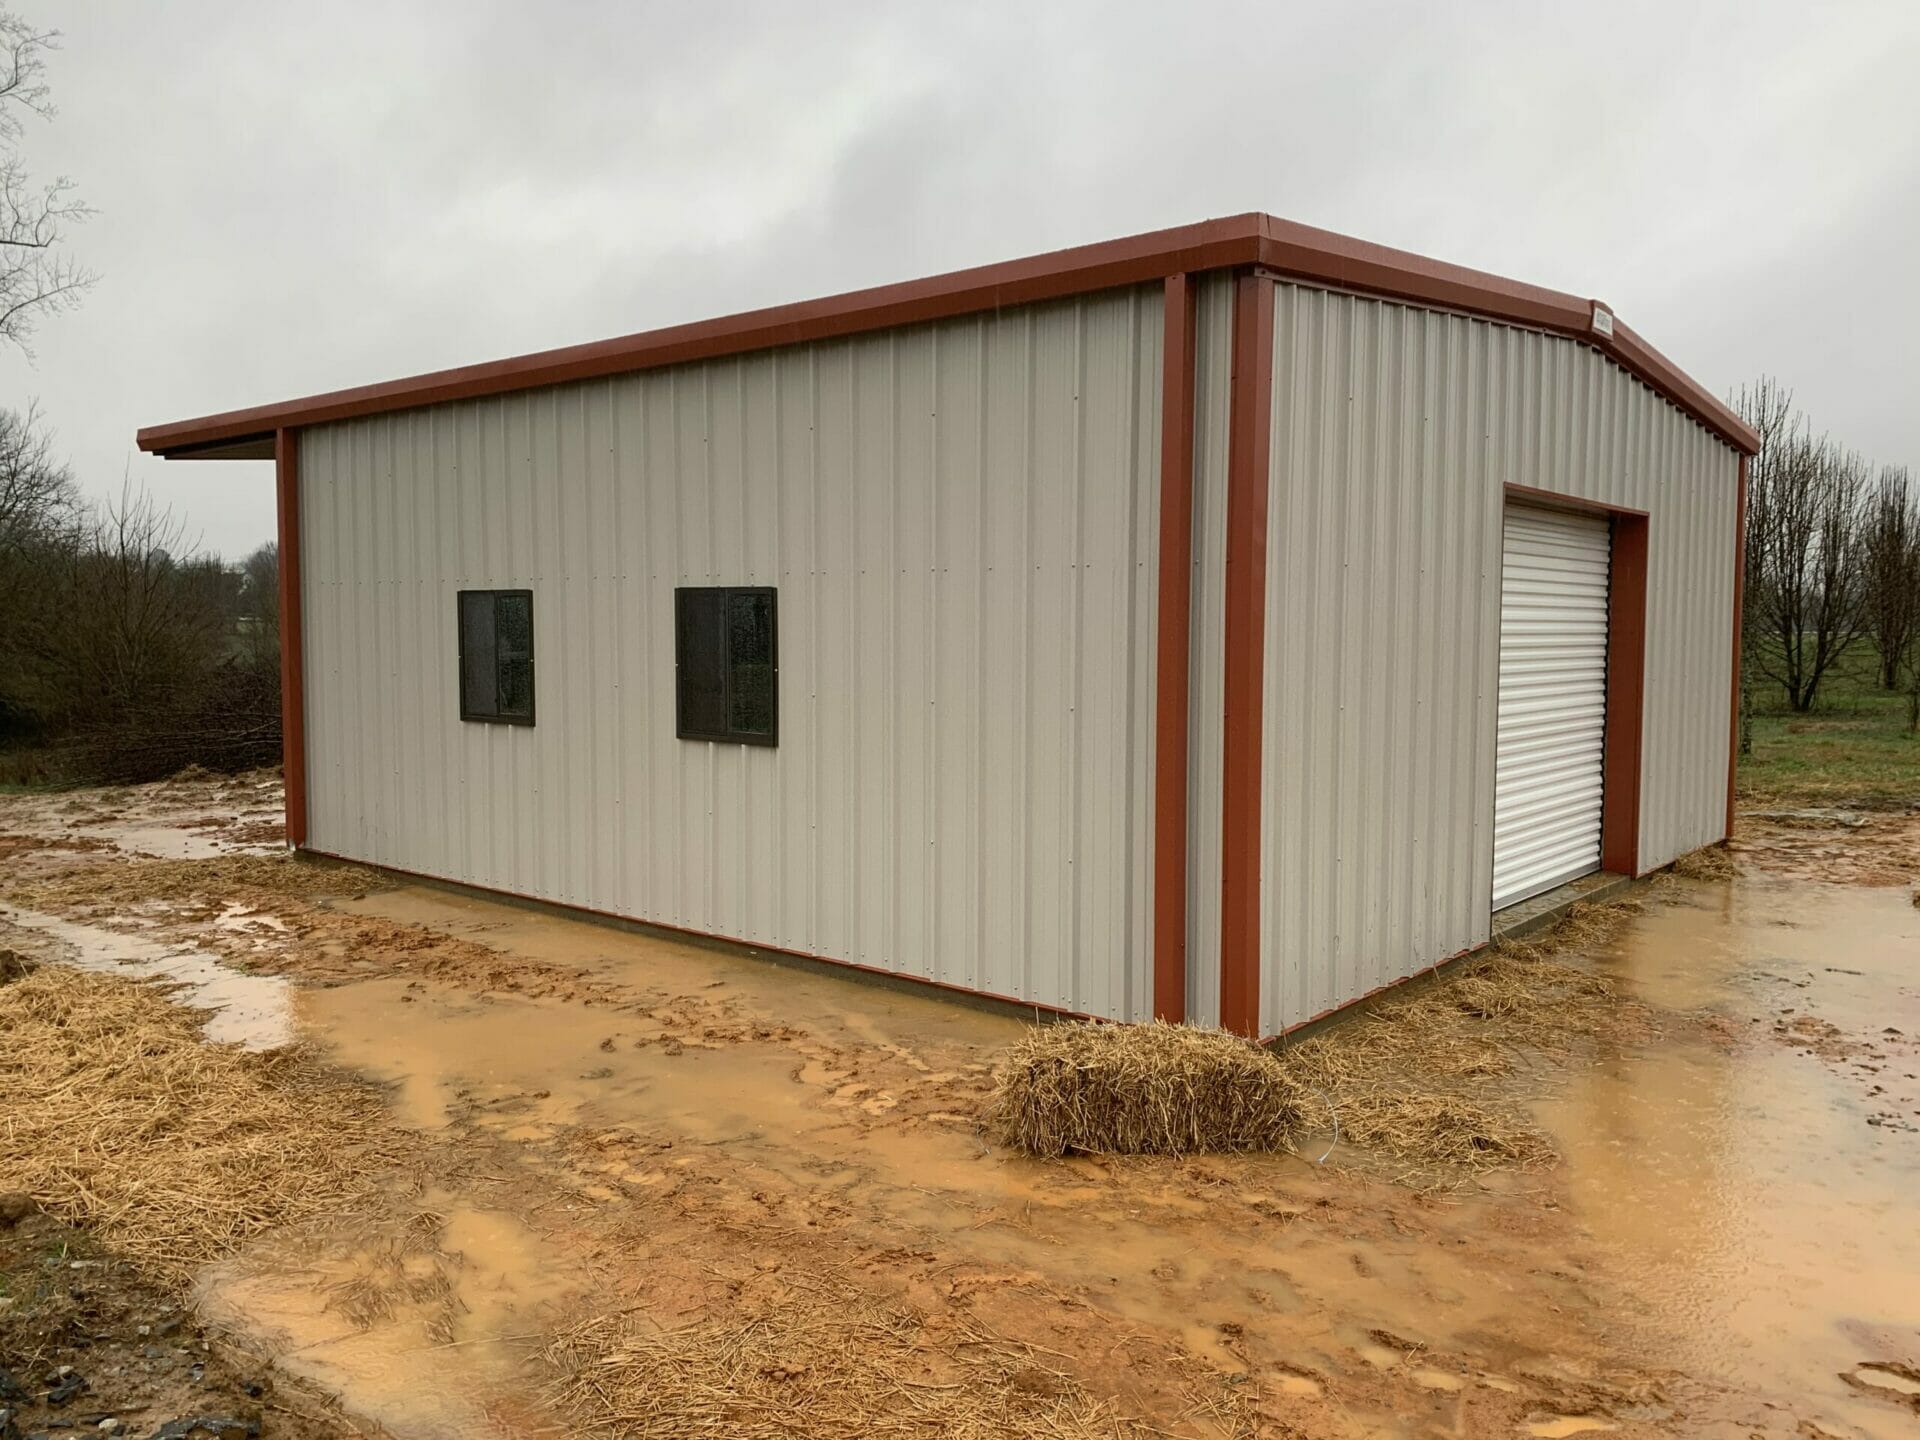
1220, 623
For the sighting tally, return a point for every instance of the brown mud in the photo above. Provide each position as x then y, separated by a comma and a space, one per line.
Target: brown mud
89, 1346
692, 1146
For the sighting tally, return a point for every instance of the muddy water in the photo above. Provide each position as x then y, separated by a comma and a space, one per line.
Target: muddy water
1756, 1230
1766, 1232
255, 1011
1732, 1216
446, 1365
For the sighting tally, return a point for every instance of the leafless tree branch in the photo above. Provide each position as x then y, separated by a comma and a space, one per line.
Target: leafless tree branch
37, 276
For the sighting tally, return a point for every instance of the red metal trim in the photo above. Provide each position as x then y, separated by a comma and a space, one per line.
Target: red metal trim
1177, 357
1299, 251
1248, 453
1554, 500
751, 947
1739, 637
1626, 696
1626, 670
293, 704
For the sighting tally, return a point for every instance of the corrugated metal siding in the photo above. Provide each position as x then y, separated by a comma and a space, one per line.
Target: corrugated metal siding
1213, 388
961, 521
1394, 431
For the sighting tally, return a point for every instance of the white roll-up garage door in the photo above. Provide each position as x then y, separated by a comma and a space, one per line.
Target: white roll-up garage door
1553, 701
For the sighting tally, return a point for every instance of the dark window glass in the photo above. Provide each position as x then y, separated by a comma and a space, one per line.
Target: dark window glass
727, 664
496, 655
479, 675
750, 662
702, 664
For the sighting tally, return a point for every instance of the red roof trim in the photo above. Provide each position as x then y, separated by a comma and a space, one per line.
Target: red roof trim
1297, 251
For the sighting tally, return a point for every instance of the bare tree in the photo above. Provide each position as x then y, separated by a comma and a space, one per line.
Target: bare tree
1891, 553
260, 598
1807, 586
124, 653
40, 515
139, 622
1767, 406
38, 498
37, 275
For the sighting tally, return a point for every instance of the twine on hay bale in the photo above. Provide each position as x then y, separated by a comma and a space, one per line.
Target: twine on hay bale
1143, 1089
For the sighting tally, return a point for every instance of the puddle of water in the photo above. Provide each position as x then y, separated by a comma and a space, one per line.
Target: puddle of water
1736, 1188
241, 919
533, 1066
1562, 1426
254, 1011
830, 1003
458, 1378
163, 842
526, 1067
1886, 1377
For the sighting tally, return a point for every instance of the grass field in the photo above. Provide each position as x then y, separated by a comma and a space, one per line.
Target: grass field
1853, 749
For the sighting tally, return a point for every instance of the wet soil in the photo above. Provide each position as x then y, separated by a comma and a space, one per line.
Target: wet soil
617, 1123
1851, 847
88, 1347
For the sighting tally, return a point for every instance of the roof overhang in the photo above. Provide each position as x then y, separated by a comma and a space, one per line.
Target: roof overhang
241, 447
1291, 251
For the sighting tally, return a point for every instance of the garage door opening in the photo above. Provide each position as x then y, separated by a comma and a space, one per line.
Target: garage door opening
1550, 759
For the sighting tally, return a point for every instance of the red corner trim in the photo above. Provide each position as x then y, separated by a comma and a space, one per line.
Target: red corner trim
1739, 636
293, 708
1171, 662
1249, 445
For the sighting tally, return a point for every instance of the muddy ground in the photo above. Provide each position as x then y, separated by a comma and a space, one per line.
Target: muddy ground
613, 1131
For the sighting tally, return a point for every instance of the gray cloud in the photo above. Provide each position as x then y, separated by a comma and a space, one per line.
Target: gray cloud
298, 198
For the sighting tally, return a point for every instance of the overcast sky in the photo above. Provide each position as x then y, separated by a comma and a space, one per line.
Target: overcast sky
294, 198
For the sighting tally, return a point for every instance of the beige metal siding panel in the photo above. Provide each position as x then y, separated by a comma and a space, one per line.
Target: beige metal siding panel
1213, 377
1395, 431
960, 519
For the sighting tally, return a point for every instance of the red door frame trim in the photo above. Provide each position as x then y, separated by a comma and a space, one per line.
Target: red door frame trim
1626, 695
1249, 450
1554, 500
1739, 637
1171, 661
293, 706
1626, 670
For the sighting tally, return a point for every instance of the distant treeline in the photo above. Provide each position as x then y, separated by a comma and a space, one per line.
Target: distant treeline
123, 657
1832, 558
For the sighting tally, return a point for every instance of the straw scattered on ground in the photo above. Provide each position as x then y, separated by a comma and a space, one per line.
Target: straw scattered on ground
115, 1113
1710, 862
216, 880
825, 1363
403, 1265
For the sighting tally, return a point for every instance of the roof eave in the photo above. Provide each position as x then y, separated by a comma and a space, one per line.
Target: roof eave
1288, 249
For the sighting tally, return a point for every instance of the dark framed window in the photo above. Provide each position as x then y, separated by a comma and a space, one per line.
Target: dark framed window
496, 656
727, 664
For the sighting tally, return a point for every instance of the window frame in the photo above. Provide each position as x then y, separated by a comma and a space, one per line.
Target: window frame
771, 736
460, 631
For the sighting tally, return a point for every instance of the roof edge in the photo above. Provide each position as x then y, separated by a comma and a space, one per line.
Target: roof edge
1295, 251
